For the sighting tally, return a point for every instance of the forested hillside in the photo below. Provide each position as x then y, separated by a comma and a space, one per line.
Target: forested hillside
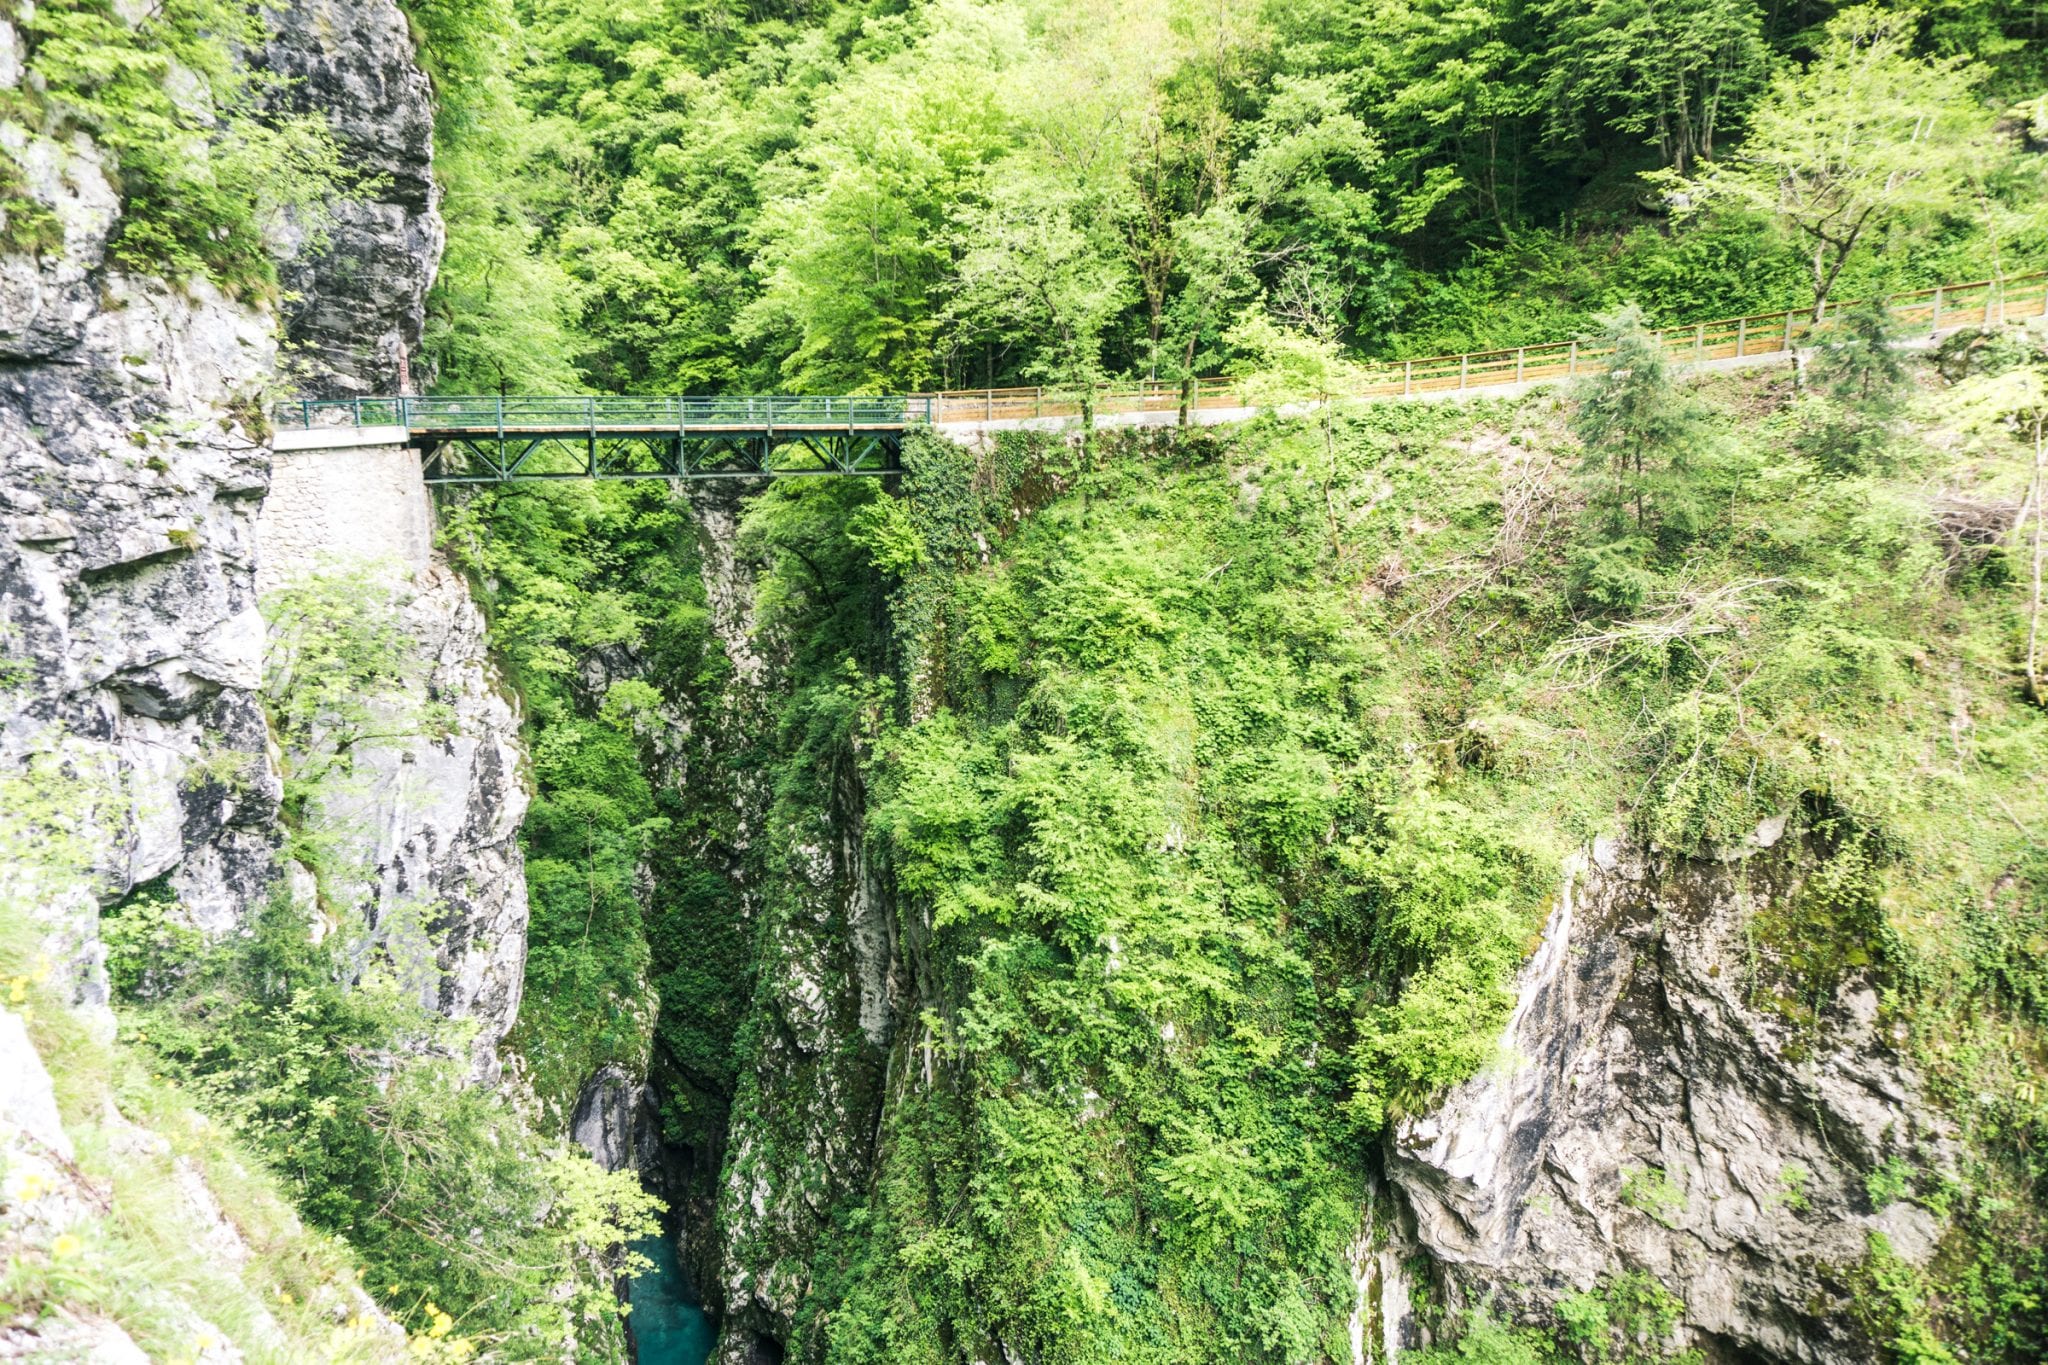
691, 197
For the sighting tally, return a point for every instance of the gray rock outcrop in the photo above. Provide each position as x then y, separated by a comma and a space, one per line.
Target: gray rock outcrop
1651, 1119
128, 487
357, 282
615, 1121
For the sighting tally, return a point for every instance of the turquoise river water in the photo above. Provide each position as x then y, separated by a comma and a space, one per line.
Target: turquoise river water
668, 1326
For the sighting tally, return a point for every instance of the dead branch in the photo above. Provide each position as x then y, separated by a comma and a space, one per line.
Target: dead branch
1685, 616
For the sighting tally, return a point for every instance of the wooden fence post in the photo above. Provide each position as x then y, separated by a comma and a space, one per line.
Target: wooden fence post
1699, 342
1937, 307
1571, 369
1464, 369
1407, 381
1741, 336
1788, 329
1521, 356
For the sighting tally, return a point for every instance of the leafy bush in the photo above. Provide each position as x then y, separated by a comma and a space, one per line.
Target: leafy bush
354, 1094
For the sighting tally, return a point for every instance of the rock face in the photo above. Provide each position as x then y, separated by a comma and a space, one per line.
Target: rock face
132, 471
361, 278
1652, 1120
426, 828
615, 1121
128, 486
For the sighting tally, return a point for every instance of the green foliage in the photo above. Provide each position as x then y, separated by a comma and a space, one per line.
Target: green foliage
27, 225
602, 576
1889, 1183
501, 313
1894, 1302
1643, 434
1443, 926
148, 943
1792, 1183
1860, 377
319, 1058
207, 171
1864, 140
340, 671
1649, 1189
845, 196
1222, 843
1626, 1320
1484, 1339
1833, 929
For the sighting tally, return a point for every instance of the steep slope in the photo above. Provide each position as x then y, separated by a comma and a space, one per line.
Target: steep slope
281, 842
1338, 893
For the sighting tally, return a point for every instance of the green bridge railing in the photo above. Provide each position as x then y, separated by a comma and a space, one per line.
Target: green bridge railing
476, 414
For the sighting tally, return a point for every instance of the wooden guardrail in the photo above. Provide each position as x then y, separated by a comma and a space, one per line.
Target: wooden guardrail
1943, 308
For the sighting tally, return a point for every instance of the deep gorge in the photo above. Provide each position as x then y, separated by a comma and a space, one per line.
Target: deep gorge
1549, 877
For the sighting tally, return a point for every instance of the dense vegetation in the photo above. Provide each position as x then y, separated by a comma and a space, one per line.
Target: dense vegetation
1230, 784
1222, 778
682, 196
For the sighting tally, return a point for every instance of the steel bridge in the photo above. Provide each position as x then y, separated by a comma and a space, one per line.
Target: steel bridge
502, 440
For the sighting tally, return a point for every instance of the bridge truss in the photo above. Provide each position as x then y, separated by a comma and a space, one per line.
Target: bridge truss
491, 457
515, 439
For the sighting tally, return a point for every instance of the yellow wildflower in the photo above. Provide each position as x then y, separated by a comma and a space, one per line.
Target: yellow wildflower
25, 1187
66, 1246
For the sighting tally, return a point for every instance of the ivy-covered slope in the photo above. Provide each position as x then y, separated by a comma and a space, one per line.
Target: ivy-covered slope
1227, 784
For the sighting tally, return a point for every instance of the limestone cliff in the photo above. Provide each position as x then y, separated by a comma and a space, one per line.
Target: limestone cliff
428, 826
130, 476
1649, 1116
358, 292
135, 472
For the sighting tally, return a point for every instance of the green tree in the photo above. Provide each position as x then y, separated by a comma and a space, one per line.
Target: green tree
2016, 401
1865, 138
1672, 70
502, 314
1641, 432
1048, 275
853, 248
1858, 378
1302, 361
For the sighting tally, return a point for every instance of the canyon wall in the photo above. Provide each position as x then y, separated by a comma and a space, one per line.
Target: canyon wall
1651, 1113
146, 508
